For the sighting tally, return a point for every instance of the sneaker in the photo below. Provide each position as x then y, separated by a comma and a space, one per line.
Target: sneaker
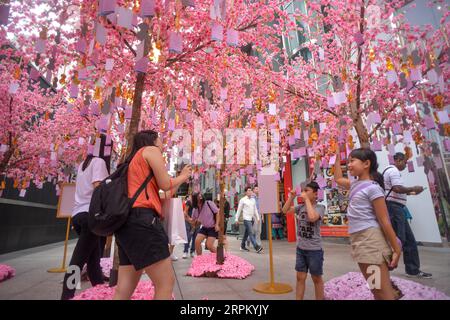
173, 257
421, 274
259, 249
248, 243
192, 255
244, 249
185, 255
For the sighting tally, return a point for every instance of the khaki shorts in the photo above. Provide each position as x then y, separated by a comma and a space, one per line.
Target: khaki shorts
370, 246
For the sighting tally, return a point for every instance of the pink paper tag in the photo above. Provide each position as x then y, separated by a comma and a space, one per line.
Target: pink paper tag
100, 34
175, 42
223, 94
147, 8
429, 122
4, 14
248, 103
272, 109
410, 166
141, 65
291, 140
40, 45
447, 145
81, 46
330, 102
73, 91
260, 118
443, 117
124, 17
332, 160
183, 104
282, 124
232, 37
106, 7
34, 74
216, 31
297, 134
296, 154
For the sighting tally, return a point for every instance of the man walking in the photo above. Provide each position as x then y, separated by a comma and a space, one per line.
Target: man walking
396, 204
247, 207
257, 225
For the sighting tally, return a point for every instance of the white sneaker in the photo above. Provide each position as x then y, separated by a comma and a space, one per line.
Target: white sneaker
185, 255
192, 255
173, 257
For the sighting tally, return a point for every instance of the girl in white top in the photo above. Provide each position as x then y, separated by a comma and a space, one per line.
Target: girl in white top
374, 244
87, 250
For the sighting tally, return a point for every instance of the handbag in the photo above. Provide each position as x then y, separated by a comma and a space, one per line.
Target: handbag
174, 223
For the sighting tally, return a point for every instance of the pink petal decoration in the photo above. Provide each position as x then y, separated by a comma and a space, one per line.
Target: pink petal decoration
352, 286
143, 291
234, 267
6, 272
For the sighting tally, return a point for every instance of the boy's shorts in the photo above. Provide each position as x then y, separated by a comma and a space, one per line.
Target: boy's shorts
311, 260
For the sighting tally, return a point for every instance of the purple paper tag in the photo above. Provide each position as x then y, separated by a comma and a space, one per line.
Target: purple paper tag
216, 31
141, 65
147, 8
81, 46
106, 7
175, 42
4, 14
232, 37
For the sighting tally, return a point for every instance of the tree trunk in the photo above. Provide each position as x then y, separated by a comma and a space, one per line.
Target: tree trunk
361, 130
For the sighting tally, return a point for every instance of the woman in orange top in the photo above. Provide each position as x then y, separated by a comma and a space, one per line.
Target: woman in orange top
142, 241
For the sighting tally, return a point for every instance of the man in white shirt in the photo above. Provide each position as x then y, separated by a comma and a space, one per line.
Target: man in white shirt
247, 208
396, 204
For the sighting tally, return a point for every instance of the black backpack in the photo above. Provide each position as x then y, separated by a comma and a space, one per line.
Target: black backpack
110, 205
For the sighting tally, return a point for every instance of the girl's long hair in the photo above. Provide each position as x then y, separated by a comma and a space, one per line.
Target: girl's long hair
365, 154
196, 201
144, 138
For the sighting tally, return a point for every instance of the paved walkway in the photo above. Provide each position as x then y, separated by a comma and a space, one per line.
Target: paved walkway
32, 281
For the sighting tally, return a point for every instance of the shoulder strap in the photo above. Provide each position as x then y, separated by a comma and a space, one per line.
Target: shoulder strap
214, 214
141, 188
390, 190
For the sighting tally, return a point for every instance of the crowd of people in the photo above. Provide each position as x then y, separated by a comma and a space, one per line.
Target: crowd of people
378, 228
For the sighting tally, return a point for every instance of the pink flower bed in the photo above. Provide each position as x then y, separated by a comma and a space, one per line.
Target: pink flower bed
144, 291
6, 272
234, 267
353, 286
105, 263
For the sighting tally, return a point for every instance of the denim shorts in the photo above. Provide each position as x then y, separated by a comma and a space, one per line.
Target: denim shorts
311, 260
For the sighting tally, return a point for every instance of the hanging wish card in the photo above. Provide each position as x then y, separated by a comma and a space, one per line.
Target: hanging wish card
443, 117
391, 76
216, 31
100, 34
175, 42
141, 65
282, 124
147, 8
81, 46
223, 94
109, 64
232, 37
13, 87
272, 109
106, 7
40, 45
73, 91
4, 14
124, 17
